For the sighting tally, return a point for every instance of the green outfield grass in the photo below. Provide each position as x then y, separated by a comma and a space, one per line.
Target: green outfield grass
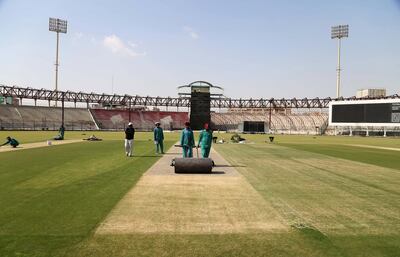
52, 198
343, 198
38, 136
309, 139
337, 199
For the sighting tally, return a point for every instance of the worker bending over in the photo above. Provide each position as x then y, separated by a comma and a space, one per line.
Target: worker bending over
12, 141
61, 132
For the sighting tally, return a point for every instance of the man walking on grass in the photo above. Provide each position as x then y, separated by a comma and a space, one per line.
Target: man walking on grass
159, 138
129, 136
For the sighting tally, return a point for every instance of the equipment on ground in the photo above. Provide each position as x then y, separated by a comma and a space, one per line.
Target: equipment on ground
214, 139
192, 165
236, 138
93, 138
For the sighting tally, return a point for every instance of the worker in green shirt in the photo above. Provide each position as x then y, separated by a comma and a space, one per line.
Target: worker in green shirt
205, 141
159, 138
12, 141
187, 141
61, 132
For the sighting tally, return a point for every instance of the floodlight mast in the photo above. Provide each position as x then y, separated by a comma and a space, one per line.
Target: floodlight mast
58, 26
339, 32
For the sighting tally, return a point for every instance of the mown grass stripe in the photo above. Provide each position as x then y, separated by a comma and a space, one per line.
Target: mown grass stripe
70, 211
379, 157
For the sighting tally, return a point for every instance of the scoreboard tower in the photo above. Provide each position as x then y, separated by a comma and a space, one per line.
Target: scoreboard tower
200, 102
199, 106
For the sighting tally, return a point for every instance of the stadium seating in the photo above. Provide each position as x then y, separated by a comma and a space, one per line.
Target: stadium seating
294, 123
142, 120
44, 118
49, 118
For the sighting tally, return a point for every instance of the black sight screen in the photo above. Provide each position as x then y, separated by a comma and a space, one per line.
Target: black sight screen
366, 113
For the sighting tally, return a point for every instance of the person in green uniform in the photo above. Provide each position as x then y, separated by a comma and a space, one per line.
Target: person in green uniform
12, 141
205, 141
187, 141
61, 132
159, 138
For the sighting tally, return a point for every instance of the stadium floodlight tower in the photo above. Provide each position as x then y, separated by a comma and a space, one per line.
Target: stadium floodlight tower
58, 26
339, 32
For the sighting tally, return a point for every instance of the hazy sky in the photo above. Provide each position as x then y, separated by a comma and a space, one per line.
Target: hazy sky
251, 48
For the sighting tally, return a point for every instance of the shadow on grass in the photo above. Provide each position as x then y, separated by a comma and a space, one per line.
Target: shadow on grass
201, 173
217, 172
230, 166
145, 156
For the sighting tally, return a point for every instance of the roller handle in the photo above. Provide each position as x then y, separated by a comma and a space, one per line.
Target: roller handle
197, 149
181, 146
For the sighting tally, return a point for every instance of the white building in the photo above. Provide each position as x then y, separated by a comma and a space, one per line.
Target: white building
371, 92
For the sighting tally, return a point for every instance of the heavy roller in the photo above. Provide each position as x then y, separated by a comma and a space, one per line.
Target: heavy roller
192, 165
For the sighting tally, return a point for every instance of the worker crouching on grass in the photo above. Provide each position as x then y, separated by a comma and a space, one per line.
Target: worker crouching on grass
12, 141
159, 138
61, 133
129, 136
205, 141
187, 141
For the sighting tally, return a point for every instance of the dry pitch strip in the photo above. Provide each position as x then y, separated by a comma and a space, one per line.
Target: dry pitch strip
38, 145
165, 202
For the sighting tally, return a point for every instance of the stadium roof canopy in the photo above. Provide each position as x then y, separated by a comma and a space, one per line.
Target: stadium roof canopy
135, 100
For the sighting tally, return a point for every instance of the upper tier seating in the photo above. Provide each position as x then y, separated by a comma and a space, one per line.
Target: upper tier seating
38, 118
302, 123
142, 120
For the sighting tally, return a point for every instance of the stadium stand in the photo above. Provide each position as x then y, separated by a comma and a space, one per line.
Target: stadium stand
49, 118
44, 118
142, 120
294, 123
